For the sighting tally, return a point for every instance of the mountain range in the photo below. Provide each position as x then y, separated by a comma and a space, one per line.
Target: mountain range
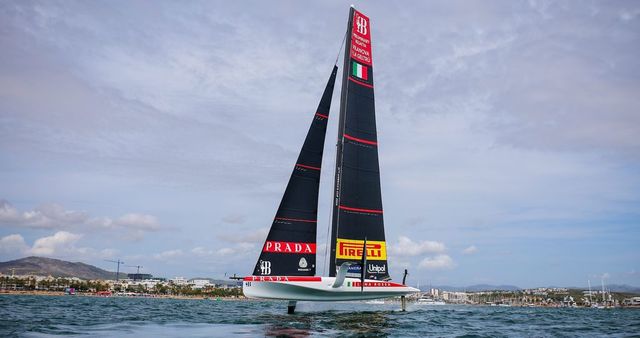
42, 266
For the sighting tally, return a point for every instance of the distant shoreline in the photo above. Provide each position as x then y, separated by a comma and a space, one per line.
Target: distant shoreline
87, 294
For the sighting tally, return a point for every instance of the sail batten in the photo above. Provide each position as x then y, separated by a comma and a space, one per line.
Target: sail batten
290, 247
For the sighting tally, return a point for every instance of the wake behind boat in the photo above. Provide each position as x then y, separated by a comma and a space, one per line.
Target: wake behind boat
358, 268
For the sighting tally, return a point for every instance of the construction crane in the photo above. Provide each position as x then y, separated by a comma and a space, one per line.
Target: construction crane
136, 266
118, 262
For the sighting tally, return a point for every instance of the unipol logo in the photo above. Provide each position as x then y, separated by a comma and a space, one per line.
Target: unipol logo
374, 268
361, 25
265, 268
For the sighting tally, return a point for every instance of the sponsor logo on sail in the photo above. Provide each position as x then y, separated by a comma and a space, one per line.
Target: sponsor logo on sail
289, 247
303, 265
361, 39
355, 268
361, 24
351, 249
265, 267
375, 268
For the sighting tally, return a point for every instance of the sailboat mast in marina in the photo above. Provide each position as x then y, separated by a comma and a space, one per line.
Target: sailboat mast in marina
286, 267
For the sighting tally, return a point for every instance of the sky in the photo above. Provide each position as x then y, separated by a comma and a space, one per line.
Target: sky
163, 133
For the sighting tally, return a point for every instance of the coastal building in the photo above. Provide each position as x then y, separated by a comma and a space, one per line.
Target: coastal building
179, 281
434, 292
200, 283
455, 297
139, 276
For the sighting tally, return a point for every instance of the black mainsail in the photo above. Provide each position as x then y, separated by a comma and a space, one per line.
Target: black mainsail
290, 247
357, 205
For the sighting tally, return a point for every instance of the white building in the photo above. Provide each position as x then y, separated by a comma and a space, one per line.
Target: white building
455, 297
200, 283
179, 281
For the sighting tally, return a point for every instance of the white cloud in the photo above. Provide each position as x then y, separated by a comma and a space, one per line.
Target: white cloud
138, 221
234, 219
54, 216
470, 250
169, 254
107, 253
7, 211
239, 249
12, 244
437, 262
225, 251
407, 247
59, 243
200, 251
45, 216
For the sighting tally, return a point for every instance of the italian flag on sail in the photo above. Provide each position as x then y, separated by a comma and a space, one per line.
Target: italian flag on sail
360, 71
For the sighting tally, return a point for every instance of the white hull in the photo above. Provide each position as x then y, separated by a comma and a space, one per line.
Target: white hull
319, 288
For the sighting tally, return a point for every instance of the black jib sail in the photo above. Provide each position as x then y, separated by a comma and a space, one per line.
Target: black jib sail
290, 248
357, 209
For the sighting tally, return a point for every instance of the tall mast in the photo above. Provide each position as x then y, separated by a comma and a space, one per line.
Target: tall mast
339, 145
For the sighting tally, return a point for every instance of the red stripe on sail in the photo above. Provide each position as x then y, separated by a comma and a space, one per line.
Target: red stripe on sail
373, 211
347, 136
296, 220
325, 116
307, 166
360, 82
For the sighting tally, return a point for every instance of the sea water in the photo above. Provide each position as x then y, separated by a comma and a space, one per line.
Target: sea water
44, 316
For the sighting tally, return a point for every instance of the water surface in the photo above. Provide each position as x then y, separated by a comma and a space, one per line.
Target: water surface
44, 316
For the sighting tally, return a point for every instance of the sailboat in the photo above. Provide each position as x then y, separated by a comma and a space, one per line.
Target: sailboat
286, 268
